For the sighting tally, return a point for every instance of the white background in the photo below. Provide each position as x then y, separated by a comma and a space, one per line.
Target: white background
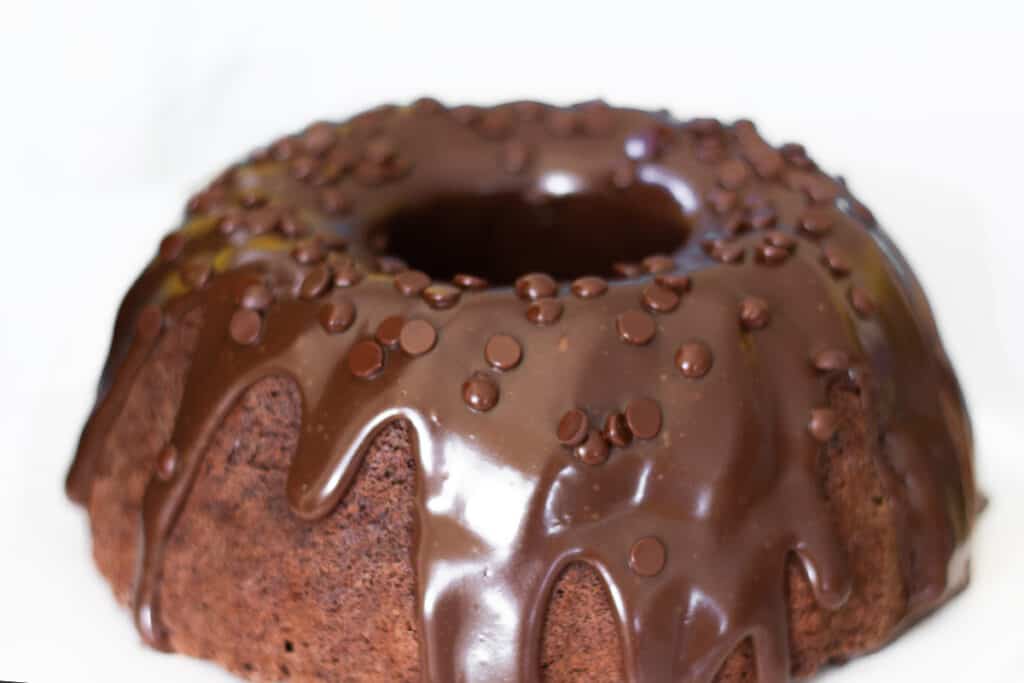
111, 113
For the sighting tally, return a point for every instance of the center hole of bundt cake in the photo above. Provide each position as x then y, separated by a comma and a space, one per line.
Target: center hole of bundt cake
502, 236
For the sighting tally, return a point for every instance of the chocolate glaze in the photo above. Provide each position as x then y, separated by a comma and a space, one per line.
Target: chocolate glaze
708, 366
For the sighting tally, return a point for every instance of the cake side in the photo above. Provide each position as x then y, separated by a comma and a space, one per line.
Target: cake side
272, 597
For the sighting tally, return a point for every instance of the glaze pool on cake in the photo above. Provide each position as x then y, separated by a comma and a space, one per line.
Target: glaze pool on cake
527, 393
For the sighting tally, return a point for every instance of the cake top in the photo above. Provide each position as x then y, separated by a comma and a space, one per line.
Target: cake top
613, 334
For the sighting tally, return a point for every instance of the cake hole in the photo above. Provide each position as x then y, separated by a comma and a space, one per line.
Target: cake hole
289, 646
502, 236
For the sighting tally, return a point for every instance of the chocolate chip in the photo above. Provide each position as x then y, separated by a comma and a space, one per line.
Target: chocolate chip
762, 217
564, 122
823, 424
658, 263
347, 274
389, 330
647, 557
861, 302
337, 316
616, 430
830, 360
391, 265
318, 137
645, 145
441, 296
411, 282
694, 359
427, 106
733, 173
166, 462
724, 251
471, 282
263, 221
291, 226
149, 323
544, 312
643, 415
381, 150
302, 167
480, 392
366, 358
316, 282
196, 273
231, 222
593, 451
754, 313
598, 119
677, 283
334, 201
256, 297
417, 337
245, 326
497, 123
466, 114
503, 352
636, 327
770, 255
171, 247
309, 251
536, 286
721, 200
782, 240
659, 299
529, 111
589, 287
573, 428
834, 260
623, 269
817, 220
514, 156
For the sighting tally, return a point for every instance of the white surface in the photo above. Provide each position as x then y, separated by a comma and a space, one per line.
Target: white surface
112, 112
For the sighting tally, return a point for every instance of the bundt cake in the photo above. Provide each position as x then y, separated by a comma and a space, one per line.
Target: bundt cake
527, 393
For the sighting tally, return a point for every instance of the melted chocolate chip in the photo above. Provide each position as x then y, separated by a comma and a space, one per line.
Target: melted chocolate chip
623, 269
647, 557
544, 312
347, 274
166, 462
694, 359
391, 265
389, 330
316, 282
470, 282
823, 424
536, 286
417, 337
659, 299
256, 297
309, 251
754, 313
246, 326
480, 392
677, 283
589, 287
772, 256
732, 174
593, 451
366, 359
441, 296
503, 352
836, 263
411, 282
643, 415
334, 201
817, 220
636, 327
572, 428
781, 240
830, 360
616, 430
861, 302
658, 263
337, 316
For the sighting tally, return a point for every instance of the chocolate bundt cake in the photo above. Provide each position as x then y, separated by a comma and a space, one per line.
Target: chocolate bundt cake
527, 393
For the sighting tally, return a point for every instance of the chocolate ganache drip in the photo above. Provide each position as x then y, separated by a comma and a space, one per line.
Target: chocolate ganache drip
612, 335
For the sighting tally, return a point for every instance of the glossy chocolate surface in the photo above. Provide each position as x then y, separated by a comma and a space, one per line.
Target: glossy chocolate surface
631, 368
